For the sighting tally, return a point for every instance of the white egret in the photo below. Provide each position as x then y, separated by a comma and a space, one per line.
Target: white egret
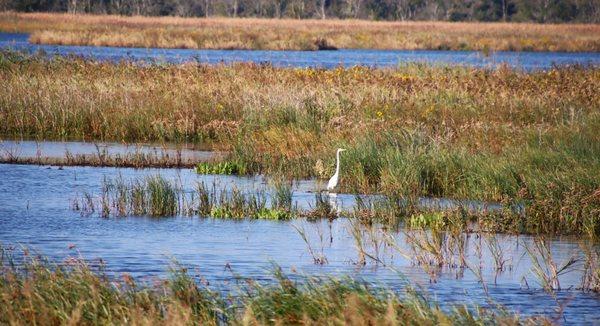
334, 179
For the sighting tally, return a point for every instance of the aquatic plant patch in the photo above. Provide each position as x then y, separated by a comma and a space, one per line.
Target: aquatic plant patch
157, 196
226, 167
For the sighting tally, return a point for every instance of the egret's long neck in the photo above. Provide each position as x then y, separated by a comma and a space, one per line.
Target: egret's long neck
337, 165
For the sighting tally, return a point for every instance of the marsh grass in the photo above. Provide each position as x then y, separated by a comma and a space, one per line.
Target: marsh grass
226, 167
163, 197
500, 256
498, 253
282, 195
153, 195
289, 34
544, 266
388, 211
324, 207
157, 196
590, 280
477, 268
430, 250
136, 159
525, 140
39, 292
35, 291
372, 242
317, 254
223, 203
439, 250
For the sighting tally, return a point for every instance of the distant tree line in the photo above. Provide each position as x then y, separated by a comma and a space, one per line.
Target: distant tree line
541, 11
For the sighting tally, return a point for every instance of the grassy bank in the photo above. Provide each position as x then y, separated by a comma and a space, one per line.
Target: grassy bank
134, 160
495, 135
41, 293
286, 34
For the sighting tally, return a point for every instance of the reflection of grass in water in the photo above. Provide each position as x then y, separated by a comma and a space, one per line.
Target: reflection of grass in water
77, 293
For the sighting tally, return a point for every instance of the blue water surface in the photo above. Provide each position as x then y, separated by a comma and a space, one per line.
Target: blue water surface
322, 59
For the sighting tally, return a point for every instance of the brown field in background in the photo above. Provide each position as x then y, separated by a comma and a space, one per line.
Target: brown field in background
289, 34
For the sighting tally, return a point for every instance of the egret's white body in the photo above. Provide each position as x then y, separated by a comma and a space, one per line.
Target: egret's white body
334, 179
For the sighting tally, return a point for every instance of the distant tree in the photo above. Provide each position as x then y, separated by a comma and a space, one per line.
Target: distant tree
297, 9
494, 10
322, 6
541, 11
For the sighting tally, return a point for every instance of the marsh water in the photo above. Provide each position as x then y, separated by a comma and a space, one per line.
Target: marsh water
36, 212
56, 150
325, 59
36, 206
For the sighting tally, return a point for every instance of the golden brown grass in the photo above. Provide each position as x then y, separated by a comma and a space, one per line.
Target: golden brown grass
290, 111
288, 34
500, 135
136, 160
36, 292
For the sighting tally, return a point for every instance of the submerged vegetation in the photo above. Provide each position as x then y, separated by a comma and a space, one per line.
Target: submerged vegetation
288, 34
35, 291
522, 139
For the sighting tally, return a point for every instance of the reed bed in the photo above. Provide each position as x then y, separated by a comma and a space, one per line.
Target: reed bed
451, 250
522, 139
35, 291
288, 34
157, 196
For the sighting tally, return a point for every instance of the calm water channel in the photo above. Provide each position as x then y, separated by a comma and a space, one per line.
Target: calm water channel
325, 59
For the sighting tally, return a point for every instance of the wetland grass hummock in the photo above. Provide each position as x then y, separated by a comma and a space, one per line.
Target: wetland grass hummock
501, 135
225, 167
156, 196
